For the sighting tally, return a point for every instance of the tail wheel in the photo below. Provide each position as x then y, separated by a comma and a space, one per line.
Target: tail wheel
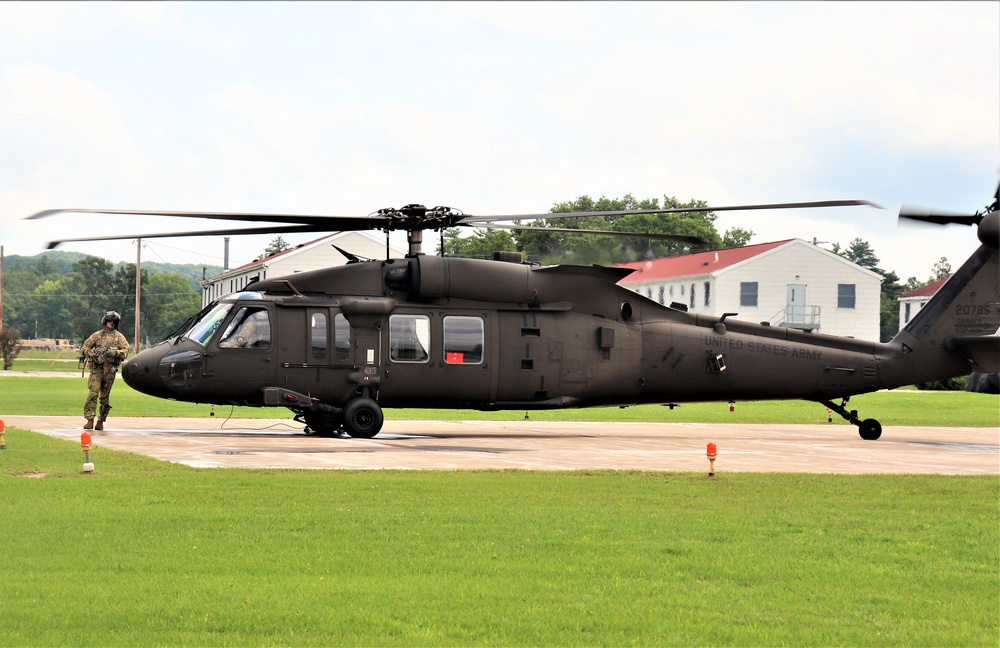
363, 418
870, 429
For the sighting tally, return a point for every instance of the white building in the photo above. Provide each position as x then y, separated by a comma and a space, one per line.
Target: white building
788, 283
910, 303
316, 254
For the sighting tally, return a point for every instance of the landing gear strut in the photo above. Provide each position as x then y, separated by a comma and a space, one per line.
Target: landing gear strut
869, 429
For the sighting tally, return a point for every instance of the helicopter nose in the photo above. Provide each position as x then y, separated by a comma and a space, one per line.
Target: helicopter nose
164, 371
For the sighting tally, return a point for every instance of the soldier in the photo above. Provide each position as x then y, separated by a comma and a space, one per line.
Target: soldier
103, 352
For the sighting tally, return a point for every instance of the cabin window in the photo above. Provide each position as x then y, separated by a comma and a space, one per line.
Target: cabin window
317, 335
341, 337
748, 293
463, 340
409, 338
250, 329
845, 296
708, 293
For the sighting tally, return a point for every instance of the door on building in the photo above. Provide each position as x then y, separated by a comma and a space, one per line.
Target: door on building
795, 306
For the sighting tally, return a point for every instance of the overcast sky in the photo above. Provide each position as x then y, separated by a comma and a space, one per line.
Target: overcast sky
496, 108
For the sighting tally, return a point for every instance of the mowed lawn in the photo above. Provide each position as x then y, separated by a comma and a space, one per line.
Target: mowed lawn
64, 396
145, 552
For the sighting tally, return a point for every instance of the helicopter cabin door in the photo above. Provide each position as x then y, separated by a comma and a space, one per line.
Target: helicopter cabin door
315, 353
439, 358
240, 360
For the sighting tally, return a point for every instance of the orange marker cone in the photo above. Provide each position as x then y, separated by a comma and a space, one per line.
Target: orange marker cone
711, 454
88, 466
3, 433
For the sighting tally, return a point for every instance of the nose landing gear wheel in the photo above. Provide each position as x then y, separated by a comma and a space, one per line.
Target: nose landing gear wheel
363, 418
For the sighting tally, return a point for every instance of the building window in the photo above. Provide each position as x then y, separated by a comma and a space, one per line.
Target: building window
748, 294
692, 296
671, 292
463, 340
906, 318
845, 296
708, 293
662, 290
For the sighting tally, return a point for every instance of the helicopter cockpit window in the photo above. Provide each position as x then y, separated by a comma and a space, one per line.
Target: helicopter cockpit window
203, 328
250, 329
463, 340
341, 337
409, 338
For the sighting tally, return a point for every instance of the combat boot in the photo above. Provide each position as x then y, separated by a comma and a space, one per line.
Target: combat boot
89, 425
100, 424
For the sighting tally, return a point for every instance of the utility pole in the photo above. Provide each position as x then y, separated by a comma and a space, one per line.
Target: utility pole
138, 288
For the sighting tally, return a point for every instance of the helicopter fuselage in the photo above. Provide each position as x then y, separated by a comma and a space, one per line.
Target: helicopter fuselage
461, 333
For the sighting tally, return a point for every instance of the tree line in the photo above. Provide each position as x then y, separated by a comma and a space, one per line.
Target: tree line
542, 244
64, 295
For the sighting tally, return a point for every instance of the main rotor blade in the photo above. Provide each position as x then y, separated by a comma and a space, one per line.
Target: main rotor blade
467, 220
692, 240
331, 223
924, 215
286, 229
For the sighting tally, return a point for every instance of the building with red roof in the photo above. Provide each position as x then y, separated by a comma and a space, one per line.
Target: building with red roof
789, 283
313, 255
911, 302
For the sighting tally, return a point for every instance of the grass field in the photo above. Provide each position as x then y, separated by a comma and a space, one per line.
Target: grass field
64, 396
150, 553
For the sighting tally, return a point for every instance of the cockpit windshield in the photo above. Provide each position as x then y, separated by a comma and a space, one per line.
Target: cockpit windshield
203, 328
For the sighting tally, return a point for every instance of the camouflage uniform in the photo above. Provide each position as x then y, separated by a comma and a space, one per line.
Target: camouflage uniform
103, 352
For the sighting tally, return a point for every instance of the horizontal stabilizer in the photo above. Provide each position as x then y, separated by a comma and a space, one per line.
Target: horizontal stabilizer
982, 351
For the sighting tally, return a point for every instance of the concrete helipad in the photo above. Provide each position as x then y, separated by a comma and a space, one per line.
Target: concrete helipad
531, 445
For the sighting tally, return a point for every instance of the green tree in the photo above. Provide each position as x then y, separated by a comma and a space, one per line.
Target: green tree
941, 270
168, 300
860, 252
736, 237
9, 340
481, 244
551, 247
277, 244
52, 308
121, 296
92, 279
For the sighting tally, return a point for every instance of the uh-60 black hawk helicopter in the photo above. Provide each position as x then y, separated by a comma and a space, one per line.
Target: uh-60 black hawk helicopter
337, 345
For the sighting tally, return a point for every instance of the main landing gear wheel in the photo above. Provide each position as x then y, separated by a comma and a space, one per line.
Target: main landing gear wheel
870, 429
363, 418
